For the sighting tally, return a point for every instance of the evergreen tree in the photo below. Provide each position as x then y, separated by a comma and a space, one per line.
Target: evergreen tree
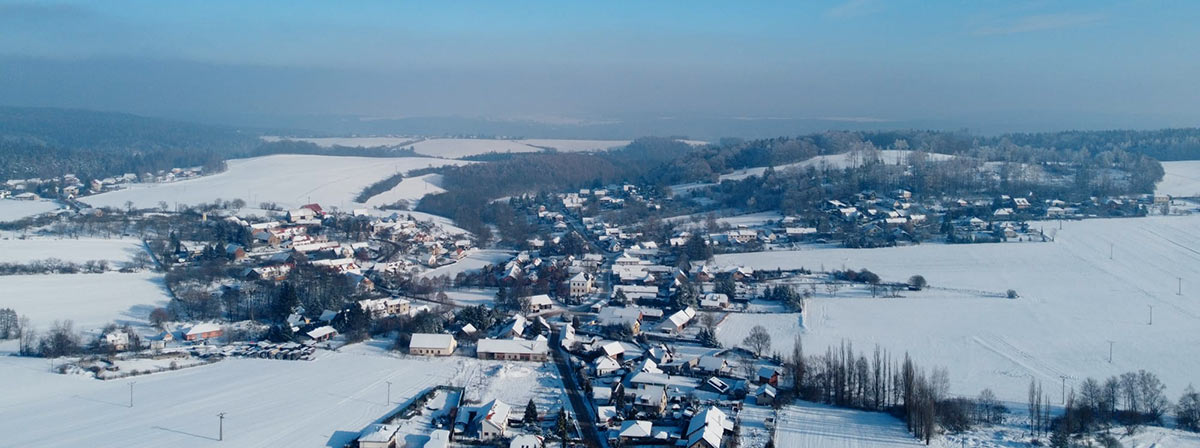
531, 413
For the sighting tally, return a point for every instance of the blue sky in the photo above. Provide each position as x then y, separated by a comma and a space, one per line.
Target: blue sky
1073, 61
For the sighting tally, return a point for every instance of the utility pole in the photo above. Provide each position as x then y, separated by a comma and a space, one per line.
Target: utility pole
1110, 251
131, 393
389, 393
1151, 314
1179, 291
1110, 346
1064, 389
221, 427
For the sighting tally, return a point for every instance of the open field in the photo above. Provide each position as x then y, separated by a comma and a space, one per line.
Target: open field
288, 180
115, 251
267, 402
811, 424
12, 209
1074, 299
90, 300
1180, 179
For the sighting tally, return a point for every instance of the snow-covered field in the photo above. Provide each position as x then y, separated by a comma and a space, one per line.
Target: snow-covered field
1074, 299
475, 260
835, 161
410, 189
267, 403
12, 209
288, 180
1180, 179
115, 251
811, 424
90, 300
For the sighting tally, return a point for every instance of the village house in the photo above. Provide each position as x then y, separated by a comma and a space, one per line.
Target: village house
513, 350
632, 430
526, 441
580, 285
202, 331
707, 428
628, 317
489, 421
540, 302
714, 301
322, 333
432, 344
117, 340
677, 321
378, 435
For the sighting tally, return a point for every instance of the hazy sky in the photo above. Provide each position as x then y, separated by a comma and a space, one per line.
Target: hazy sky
1079, 63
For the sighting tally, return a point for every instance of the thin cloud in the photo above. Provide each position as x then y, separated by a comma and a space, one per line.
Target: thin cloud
1042, 22
854, 8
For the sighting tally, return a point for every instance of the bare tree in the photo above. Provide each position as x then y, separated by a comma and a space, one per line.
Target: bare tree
759, 341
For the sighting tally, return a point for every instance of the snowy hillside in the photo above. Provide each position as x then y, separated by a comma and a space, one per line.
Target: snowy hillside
836, 161
288, 180
1074, 299
1181, 179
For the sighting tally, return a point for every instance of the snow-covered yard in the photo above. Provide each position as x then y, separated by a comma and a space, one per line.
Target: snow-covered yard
782, 327
475, 260
266, 402
1074, 299
12, 209
288, 180
90, 300
77, 250
811, 424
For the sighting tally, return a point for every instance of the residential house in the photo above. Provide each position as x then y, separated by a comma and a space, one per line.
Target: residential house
378, 435
202, 331
707, 428
677, 321
629, 317
714, 301
765, 395
322, 333
632, 430
513, 350
540, 302
492, 422
580, 285
768, 375
526, 441
650, 399
432, 344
